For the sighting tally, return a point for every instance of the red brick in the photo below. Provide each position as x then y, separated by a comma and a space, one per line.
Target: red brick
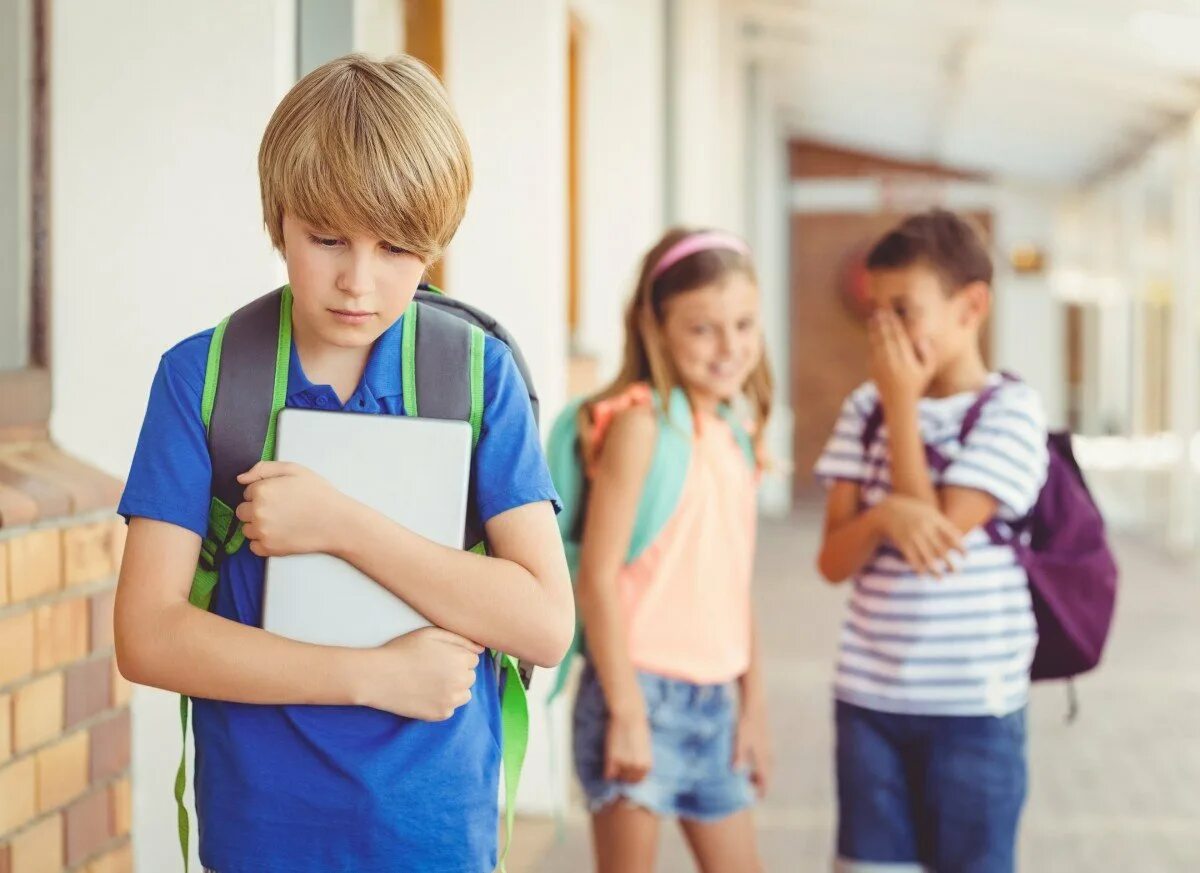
121, 796
110, 747
86, 826
39, 849
61, 634
18, 794
5, 731
16, 647
62, 772
102, 620
34, 564
117, 861
88, 690
38, 712
6, 858
87, 553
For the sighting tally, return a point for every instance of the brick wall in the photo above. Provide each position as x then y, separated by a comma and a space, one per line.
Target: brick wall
64, 708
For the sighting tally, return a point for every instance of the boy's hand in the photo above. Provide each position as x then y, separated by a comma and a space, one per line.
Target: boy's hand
426, 674
923, 535
288, 510
900, 370
752, 747
627, 747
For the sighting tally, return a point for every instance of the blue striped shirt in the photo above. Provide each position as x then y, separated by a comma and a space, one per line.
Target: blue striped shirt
962, 644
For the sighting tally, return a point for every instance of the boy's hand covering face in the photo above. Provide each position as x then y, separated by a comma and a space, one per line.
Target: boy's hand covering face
289, 510
901, 370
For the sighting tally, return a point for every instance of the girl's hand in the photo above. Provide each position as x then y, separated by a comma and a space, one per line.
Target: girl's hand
901, 370
289, 510
752, 747
627, 751
924, 536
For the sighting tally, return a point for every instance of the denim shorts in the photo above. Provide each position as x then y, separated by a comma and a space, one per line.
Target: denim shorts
924, 792
692, 733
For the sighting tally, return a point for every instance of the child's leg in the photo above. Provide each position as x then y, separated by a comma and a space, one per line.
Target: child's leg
725, 846
625, 839
876, 827
976, 785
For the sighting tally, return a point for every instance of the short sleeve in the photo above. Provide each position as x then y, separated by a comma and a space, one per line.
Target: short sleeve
170, 478
844, 457
1005, 453
509, 465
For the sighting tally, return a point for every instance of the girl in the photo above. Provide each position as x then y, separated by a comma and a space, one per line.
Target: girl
670, 718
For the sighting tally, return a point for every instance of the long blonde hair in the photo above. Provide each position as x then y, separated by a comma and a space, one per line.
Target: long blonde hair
646, 359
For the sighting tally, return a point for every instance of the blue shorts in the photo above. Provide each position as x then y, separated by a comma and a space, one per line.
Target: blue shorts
925, 792
692, 732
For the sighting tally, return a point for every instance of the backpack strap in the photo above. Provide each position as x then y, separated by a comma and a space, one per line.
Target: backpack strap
442, 374
245, 386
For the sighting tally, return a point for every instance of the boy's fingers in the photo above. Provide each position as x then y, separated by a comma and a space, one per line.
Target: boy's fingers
267, 470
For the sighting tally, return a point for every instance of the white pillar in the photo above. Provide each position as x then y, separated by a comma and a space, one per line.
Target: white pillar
768, 221
1132, 244
506, 74
1185, 363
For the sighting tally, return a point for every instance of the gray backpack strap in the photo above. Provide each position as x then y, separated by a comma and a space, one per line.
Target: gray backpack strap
443, 364
251, 384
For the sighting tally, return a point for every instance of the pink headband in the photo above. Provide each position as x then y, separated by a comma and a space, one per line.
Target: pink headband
705, 240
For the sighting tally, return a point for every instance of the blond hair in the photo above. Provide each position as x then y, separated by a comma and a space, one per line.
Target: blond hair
646, 358
360, 145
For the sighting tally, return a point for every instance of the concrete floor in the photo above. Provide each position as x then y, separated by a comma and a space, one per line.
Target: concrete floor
1116, 792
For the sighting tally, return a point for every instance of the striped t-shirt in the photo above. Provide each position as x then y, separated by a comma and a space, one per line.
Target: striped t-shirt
961, 644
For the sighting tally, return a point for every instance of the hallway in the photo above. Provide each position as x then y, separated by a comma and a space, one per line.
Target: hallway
1116, 791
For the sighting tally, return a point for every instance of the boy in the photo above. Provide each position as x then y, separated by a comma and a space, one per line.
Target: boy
311, 758
933, 669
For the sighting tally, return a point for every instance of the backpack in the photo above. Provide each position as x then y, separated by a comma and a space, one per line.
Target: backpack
660, 492
1063, 548
245, 387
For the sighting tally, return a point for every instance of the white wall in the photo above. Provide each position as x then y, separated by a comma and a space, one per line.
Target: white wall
506, 73
1028, 330
157, 113
622, 141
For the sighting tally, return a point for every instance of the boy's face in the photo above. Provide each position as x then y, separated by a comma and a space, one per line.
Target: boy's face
947, 324
346, 290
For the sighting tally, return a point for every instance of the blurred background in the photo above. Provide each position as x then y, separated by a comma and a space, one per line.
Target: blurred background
130, 218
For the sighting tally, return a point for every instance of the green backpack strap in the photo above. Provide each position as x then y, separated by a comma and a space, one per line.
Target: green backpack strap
442, 377
245, 386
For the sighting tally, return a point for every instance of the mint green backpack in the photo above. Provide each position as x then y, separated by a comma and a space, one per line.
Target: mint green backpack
245, 387
660, 494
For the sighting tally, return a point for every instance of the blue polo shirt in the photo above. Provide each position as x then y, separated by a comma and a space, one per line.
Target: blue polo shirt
293, 789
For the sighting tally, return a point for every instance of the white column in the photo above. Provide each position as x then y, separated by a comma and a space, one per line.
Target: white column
1132, 245
622, 135
506, 73
157, 112
1185, 363
768, 221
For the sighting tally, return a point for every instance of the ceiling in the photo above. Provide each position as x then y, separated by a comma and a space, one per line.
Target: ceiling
1045, 91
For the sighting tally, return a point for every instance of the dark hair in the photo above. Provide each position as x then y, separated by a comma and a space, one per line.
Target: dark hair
939, 239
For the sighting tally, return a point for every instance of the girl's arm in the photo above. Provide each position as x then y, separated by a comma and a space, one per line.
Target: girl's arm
164, 641
753, 746
615, 493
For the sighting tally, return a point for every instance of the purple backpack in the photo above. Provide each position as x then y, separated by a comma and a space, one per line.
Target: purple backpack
1072, 572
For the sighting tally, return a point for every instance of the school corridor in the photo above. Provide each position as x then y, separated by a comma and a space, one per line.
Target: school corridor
1115, 792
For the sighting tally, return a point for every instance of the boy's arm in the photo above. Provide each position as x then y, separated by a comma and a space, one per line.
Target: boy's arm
517, 600
901, 375
851, 537
164, 641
